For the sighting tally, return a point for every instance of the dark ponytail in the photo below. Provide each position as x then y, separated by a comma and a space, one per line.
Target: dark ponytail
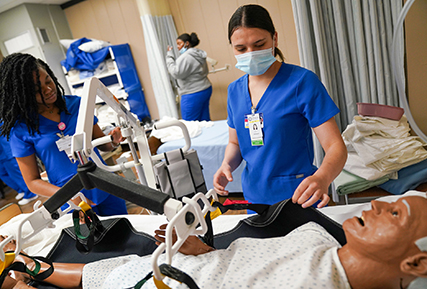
192, 39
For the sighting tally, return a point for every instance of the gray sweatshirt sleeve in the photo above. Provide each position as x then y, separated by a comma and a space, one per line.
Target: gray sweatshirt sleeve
182, 67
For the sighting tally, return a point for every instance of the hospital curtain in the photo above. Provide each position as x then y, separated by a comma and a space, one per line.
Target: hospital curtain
159, 32
348, 45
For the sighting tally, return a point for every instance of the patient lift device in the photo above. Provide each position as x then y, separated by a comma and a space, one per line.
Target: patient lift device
185, 217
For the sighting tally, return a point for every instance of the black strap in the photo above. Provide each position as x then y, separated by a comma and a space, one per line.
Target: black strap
84, 244
258, 208
178, 275
142, 282
21, 267
172, 273
208, 237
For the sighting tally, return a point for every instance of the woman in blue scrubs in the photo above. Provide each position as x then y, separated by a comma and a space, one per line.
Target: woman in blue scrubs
286, 102
35, 115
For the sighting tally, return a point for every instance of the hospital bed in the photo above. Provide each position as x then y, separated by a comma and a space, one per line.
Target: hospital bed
210, 146
43, 242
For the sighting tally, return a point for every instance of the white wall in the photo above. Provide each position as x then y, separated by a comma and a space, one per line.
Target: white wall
15, 22
29, 17
44, 16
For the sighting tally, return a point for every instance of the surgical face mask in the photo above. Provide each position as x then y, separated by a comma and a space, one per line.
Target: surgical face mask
255, 62
182, 50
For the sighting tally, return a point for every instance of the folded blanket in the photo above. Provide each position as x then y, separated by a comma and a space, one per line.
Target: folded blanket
347, 183
82, 60
355, 165
409, 178
382, 145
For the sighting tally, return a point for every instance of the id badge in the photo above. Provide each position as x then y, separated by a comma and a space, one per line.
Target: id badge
255, 129
261, 120
64, 144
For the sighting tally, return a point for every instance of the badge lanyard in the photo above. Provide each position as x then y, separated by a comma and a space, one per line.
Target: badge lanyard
64, 142
255, 123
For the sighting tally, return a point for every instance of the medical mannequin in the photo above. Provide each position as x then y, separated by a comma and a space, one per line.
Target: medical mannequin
285, 102
191, 72
39, 120
381, 249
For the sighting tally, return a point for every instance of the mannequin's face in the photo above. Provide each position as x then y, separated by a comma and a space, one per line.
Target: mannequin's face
389, 230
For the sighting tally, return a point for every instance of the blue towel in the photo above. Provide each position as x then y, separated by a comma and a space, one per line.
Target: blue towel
81, 60
409, 178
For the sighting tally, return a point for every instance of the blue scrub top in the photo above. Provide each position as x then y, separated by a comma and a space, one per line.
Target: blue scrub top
58, 166
5, 151
294, 102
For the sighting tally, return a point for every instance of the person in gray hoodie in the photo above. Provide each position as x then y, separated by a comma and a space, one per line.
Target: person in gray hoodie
191, 70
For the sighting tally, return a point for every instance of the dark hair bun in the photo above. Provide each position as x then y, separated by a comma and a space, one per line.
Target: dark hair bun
194, 40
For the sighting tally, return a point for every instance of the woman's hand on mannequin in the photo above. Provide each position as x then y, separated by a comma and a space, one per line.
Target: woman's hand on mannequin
315, 187
310, 190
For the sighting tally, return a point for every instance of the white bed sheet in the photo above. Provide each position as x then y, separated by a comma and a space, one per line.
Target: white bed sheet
210, 146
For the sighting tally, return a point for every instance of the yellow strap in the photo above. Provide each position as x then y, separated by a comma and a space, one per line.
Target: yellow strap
9, 257
84, 206
159, 284
215, 213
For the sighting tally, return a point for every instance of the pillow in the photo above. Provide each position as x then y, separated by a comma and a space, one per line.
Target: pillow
66, 42
93, 45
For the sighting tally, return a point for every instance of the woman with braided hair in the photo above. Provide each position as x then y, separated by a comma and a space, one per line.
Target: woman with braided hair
35, 114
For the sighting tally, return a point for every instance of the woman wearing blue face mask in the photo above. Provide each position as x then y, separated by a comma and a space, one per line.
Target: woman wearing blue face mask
286, 102
191, 71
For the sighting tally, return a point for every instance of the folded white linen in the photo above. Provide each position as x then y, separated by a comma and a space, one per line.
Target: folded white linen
382, 144
355, 165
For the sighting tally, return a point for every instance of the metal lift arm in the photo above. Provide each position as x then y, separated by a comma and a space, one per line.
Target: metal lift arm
185, 217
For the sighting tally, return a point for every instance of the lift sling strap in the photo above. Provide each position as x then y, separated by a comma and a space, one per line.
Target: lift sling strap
84, 244
21, 267
170, 272
221, 209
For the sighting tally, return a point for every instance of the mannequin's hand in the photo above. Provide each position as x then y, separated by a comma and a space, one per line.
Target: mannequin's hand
191, 246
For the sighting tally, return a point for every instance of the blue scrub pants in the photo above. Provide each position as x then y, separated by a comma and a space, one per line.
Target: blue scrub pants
195, 106
11, 175
112, 205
